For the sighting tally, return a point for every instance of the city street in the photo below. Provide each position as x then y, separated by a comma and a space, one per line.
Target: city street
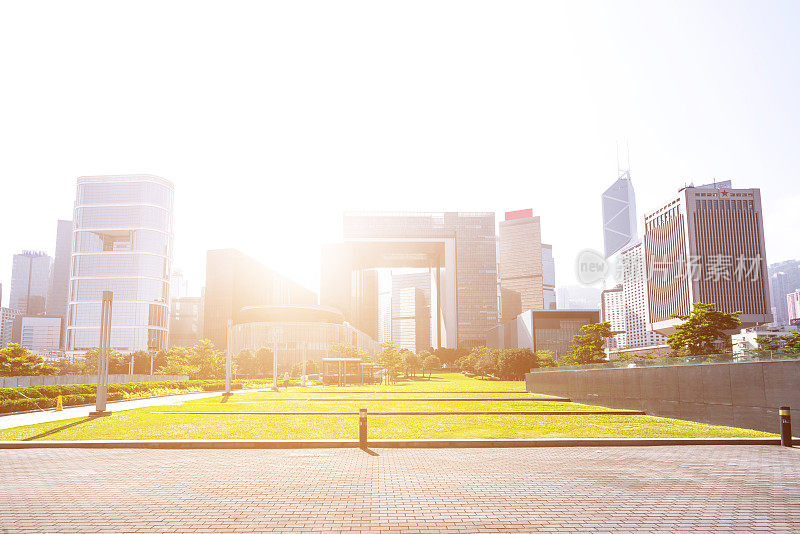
575, 489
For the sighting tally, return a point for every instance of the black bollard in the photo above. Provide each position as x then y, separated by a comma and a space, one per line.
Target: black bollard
786, 426
362, 428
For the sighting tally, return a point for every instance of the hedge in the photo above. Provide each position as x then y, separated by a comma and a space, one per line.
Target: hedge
14, 399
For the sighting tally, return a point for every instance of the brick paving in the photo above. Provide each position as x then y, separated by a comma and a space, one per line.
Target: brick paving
570, 490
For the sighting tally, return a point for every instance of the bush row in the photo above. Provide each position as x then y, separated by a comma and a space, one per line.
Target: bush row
14, 399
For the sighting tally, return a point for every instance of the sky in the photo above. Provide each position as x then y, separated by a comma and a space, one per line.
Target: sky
272, 118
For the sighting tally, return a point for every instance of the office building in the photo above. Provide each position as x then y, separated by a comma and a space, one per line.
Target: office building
122, 243
185, 321
295, 330
613, 312
619, 215
58, 291
234, 281
7, 318
707, 245
784, 278
178, 285
540, 330
521, 263
793, 307
384, 315
548, 278
41, 335
458, 248
638, 333
30, 278
414, 286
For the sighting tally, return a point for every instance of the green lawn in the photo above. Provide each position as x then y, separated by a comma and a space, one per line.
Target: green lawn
154, 423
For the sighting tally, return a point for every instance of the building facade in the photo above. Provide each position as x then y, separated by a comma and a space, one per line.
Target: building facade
793, 307
30, 279
521, 262
122, 228
458, 247
540, 330
613, 312
784, 278
619, 215
41, 335
638, 333
578, 298
185, 321
411, 298
548, 278
7, 318
234, 281
58, 291
707, 245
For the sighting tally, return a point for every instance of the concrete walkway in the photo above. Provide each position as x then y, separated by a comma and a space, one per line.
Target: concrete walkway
11, 421
575, 490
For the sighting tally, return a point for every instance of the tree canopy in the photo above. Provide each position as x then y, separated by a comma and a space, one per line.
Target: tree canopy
702, 328
16, 360
587, 344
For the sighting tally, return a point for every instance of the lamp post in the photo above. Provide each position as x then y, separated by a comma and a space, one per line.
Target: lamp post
102, 357
228, 358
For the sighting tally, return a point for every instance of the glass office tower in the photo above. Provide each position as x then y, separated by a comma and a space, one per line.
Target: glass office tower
122, 242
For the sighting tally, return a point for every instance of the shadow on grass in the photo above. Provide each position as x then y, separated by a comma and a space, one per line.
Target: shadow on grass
59, 429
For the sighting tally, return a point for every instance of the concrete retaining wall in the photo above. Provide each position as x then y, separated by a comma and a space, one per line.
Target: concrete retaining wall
27, 381
744, 395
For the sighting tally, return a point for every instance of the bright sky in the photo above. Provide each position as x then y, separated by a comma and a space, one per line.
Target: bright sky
271, 118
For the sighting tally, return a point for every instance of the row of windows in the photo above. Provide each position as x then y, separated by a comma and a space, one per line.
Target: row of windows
121, 265
123, 289
122, 314
125, 192
725, 204
124, 340
122, 217
667, 215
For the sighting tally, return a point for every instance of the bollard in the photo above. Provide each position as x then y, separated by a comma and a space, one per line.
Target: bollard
362, 428
786, 426
59, 404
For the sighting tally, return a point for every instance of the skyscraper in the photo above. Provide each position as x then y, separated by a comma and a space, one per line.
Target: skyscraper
30, 278
123, 244
619, 215
612, 303
707, 245
234, 281
411, 297
784, 278
548, 278
638, 332
58, 292
521, 262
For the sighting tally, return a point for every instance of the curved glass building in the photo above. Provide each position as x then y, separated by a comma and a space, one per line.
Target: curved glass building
121, 242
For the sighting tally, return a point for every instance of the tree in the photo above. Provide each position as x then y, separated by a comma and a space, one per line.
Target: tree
431, 363
587, 344
480, 361
312, 368
346, 350
246, 363
512, 364
201, 362
263, 363
411, 363
791, 343
450, 356
702, 328
390, 360
546, 358
16, 360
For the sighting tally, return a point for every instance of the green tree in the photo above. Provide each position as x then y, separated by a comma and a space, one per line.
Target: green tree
791, 343
546, 358
480, 361
264, 364
201, 362
411, 363
702, 328
512, 364
16, 360
245, 363
587, 344
312, 368
346, 350
430, 363
390, 360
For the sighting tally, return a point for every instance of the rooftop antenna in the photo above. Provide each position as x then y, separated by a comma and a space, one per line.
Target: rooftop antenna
627, 172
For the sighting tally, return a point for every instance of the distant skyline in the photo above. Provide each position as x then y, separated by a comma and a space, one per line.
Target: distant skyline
273, 119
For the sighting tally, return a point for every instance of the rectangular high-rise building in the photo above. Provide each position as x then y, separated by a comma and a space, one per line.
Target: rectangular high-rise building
234, 281
30, 278
7, 318
41, 335
548, 278
707, 245
619, 215
58, 292
638, 333
521, 264
612, 303
122, 229
401, 282
185, 321
793, 307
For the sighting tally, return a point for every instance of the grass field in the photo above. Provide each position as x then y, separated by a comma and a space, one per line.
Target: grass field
155, 423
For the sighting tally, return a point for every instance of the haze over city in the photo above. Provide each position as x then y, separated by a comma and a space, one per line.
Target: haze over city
271, 120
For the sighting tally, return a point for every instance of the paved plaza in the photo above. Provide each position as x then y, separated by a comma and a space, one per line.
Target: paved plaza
569, 489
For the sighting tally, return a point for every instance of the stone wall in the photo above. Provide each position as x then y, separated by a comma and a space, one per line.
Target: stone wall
745, 395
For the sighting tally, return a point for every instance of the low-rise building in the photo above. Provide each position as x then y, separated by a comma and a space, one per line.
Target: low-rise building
540, 330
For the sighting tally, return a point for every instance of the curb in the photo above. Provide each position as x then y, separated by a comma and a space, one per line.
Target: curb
380, 443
